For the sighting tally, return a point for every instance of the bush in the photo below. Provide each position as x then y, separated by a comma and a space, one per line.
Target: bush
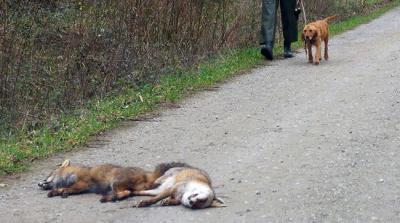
55, 55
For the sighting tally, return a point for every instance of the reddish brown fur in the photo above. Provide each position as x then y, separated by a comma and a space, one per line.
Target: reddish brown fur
313, 34
193, 174
184, 176
173, 194
123, 181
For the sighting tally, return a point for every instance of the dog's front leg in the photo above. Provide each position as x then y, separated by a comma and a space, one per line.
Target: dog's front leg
318, 53
310, 56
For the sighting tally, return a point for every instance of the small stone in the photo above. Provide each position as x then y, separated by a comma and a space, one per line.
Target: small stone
381, 180
3, 185
258, 193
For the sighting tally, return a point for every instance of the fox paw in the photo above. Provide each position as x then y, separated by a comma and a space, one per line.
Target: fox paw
64, 195
114, 199
52, 194
164, 202
142, 203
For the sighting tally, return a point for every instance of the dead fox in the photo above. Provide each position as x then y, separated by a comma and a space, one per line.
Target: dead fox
185, 185
112, 181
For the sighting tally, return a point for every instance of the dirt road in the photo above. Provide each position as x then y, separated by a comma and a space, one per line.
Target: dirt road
289, 142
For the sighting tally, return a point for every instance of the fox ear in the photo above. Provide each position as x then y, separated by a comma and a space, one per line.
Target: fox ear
303, 37
218, 203
65, 163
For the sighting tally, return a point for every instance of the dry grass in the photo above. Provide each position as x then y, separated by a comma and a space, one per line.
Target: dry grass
56, 55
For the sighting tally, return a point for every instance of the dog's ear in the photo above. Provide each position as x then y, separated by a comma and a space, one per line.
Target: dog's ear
218, 203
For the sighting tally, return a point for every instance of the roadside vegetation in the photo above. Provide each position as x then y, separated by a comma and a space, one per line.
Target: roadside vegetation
73, 69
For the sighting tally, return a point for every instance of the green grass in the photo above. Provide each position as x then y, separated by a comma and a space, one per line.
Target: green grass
69, 132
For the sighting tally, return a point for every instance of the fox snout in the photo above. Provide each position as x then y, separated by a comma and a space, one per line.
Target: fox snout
198, 199
45, 185
195, 198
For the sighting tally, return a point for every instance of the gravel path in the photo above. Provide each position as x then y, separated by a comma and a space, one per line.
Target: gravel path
288, 142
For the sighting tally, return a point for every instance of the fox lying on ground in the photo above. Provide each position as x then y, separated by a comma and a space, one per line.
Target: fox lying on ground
182, 184
113, 182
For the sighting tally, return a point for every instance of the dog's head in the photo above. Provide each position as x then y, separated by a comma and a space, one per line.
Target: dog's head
52, 179
310, 32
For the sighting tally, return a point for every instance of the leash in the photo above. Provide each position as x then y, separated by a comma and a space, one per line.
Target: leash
298, 4
303, 9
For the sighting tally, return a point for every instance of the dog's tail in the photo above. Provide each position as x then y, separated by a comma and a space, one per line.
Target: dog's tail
330, 18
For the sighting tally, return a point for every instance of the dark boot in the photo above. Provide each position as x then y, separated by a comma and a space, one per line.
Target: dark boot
287, 51
266, 51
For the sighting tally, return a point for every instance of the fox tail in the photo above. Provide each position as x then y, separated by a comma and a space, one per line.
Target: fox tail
164, 167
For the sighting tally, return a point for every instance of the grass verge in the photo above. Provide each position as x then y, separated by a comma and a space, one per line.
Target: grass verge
69, 132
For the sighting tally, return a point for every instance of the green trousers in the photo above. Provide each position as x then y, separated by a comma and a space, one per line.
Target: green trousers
268, 21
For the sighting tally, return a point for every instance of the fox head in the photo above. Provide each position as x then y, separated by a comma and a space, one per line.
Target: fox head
53, 178
200, 196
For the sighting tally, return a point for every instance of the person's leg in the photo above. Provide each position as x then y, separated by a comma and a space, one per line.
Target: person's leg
289, 23
268, 24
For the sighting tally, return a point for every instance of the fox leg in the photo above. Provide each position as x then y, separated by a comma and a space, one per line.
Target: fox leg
75, 188
55, 192
123, 194
152, 192
119, 191
170, 202
116, 196
153, 200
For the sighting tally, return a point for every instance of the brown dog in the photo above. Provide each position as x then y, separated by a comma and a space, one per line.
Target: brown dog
313, 34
